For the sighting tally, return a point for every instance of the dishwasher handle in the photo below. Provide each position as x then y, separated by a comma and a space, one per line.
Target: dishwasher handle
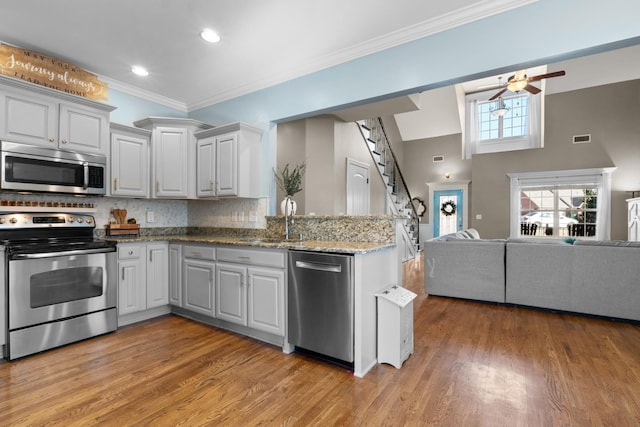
331, 268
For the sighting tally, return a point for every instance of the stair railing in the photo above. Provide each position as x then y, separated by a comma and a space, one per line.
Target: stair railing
378, 143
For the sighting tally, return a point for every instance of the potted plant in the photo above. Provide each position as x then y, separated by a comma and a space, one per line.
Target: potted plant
290, 182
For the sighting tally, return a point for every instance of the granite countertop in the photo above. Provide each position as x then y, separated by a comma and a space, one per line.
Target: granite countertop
308, 245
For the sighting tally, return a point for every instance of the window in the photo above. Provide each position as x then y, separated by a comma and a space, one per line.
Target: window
520, 128
559, 211
559, 204
513, 124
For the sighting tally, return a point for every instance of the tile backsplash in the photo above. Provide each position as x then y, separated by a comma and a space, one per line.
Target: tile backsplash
228, 213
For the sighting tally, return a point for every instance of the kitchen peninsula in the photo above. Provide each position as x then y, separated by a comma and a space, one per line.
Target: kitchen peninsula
236, 278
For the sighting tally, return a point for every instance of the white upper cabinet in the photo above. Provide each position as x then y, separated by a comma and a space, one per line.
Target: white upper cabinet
229, 161
39, 116
129, 161
205, 169
173, 156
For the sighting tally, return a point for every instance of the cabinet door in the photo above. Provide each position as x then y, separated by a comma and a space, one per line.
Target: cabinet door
157, 283
132, 280
266, 303
83, 129
170, 162
227, 165
231, 293
206, 161
198, 282
129, 165
30, 119
175, 275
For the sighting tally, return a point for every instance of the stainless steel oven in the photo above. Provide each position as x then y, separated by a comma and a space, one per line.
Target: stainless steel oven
61, 282
28, 168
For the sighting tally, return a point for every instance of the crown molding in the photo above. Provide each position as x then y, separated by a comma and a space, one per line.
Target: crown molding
475, 12
144, 94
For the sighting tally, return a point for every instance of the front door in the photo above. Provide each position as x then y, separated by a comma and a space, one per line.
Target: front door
447, 214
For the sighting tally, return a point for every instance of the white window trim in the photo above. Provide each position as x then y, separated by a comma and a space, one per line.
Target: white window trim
601, 177
473, 145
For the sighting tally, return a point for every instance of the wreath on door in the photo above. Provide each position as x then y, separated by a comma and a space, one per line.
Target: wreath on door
448, 208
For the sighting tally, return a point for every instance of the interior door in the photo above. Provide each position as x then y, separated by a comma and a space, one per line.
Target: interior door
447, 212
357, 188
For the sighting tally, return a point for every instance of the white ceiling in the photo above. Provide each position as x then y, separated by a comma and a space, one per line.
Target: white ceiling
263, 42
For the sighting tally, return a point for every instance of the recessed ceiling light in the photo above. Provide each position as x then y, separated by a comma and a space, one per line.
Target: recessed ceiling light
210, 36
140, 71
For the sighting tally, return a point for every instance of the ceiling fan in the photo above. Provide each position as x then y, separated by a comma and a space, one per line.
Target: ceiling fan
520, 81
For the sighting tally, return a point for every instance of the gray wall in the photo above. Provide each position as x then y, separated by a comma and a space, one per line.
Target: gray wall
419, 168
609, 113
325, 142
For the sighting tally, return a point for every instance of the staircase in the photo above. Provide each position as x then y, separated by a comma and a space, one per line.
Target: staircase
375, 137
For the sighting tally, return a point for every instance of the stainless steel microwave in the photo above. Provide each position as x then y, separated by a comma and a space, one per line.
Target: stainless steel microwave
38, 169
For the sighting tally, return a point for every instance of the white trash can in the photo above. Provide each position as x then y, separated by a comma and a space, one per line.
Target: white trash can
395, 325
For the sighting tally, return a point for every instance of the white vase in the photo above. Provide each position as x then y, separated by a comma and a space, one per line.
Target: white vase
288, 206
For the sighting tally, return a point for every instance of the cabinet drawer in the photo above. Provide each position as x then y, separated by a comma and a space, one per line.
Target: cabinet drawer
266, 257
199, 252
130, 251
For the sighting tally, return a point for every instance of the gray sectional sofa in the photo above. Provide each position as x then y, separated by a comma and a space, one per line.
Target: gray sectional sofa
463, 265
591, 277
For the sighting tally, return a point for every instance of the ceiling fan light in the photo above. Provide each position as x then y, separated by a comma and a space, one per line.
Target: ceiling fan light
499, 112
517, 85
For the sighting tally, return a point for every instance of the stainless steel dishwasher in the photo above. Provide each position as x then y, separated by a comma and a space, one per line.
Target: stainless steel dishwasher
320, 303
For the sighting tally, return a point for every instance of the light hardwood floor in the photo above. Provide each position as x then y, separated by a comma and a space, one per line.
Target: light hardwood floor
474, 365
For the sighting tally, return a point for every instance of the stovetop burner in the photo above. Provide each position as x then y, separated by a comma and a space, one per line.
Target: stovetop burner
35, 232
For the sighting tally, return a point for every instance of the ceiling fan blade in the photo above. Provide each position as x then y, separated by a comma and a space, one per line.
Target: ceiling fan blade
498, 94
532, 89
546, 76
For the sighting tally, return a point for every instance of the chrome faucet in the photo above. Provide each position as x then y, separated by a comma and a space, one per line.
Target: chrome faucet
288, 215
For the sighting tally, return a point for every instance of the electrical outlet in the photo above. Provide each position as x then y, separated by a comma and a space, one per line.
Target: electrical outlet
150, 217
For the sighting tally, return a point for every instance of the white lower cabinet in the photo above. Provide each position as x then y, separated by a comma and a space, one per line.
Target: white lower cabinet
231, 293
250, 288
265, 300
198, 279
143, 276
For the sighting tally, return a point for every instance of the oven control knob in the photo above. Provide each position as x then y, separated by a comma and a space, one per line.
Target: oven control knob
79, 219
2, 220
89, 221
70, 218
13, 220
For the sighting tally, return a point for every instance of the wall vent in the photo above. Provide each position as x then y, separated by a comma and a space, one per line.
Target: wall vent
582, 139
437, 159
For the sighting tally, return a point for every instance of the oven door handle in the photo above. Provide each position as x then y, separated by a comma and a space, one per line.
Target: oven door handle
62, 253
